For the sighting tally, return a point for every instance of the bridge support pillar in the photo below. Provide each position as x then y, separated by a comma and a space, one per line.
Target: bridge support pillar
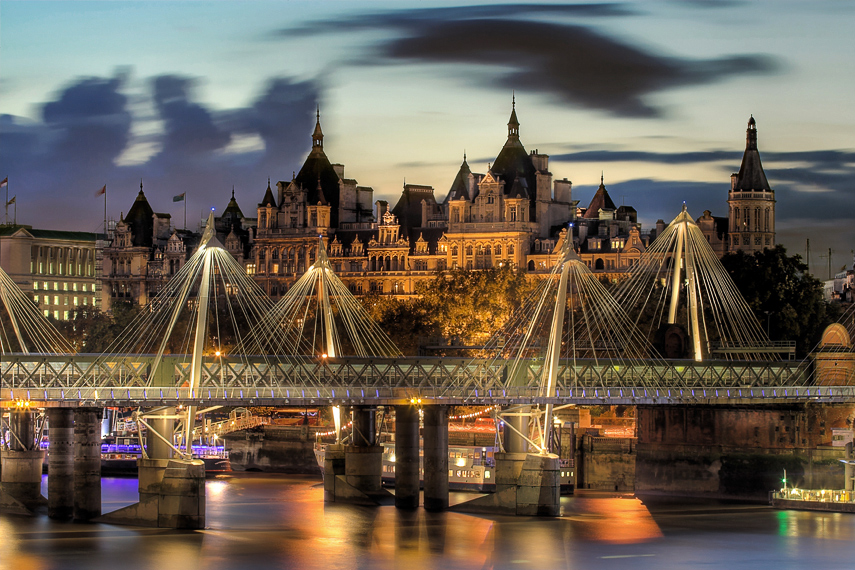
363, 463
155, 447
527, 484
406, 457
512, 440
172, 491
87, 464
436, 458
61, 463
20, 482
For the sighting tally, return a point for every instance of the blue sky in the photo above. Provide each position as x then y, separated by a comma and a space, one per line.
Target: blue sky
198, 97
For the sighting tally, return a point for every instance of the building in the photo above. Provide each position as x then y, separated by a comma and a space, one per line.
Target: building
751, 201
58, 269
510, 215
145, 250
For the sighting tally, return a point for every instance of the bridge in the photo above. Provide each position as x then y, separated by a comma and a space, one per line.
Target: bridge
211, 338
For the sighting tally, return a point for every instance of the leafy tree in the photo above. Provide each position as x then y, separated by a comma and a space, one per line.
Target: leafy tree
461, 305
782, 294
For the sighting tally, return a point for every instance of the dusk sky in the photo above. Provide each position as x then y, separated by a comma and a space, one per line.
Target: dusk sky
198, 97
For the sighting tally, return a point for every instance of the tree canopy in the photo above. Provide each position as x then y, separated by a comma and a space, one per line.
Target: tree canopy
783, 295
462, 306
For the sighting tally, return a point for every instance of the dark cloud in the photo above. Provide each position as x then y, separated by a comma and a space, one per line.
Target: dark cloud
63, 159
89, 122
406, 18
190, 128
821, 187
572, 63
606, 156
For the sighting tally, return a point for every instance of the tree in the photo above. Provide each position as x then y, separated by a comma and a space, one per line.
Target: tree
460, 305
783, 295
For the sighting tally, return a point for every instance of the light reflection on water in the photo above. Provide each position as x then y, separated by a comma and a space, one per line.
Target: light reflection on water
260, 521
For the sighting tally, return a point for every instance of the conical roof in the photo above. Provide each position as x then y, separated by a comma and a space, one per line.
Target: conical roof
268, 199
318, 177
141, 219
460, 186
600, 201
751, 175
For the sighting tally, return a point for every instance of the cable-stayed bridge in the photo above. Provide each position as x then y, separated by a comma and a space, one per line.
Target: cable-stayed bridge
596, 353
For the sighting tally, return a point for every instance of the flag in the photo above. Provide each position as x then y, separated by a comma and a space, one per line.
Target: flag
4, 182
102, 191
12, 201
179, 198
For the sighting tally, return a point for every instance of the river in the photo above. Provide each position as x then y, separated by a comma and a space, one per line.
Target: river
261, 521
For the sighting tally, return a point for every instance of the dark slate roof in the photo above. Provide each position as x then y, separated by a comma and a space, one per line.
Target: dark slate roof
9, 230
318, 177
460, 186
751, 175
519, 189
514, 162
600, 200
268, 199
409, 206
141, 220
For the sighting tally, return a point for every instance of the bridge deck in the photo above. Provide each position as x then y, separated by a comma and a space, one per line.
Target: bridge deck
125, 380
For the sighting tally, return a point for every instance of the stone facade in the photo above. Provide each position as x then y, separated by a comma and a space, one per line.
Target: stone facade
58, 269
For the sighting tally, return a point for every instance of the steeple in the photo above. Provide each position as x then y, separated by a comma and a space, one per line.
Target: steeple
751, 135
318, 135
513, 124
751, 175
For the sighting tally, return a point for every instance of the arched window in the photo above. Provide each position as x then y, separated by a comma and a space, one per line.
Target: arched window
531, 265
454, 251
468, 250
499, 249
599, 264
510, 249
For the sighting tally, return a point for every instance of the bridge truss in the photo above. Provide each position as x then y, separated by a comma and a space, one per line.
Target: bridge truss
258, 381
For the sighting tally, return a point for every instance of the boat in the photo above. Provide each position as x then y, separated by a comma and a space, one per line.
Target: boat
470, 467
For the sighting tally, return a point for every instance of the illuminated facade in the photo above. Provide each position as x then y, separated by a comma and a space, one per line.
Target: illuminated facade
58, 269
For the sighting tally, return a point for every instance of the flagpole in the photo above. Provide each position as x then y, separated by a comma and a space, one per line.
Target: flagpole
185, 211
105, 213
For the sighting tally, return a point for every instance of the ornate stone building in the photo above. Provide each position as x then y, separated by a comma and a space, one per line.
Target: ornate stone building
146, 251
751, 201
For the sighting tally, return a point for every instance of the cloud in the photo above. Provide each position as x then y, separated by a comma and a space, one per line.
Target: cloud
190, 128
89, 122
85, 135
570, 62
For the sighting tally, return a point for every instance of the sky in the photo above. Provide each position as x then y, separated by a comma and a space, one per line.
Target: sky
205, 96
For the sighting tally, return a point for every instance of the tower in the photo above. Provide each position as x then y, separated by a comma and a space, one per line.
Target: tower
751, 201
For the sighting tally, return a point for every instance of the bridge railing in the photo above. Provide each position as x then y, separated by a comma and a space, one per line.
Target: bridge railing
353, 377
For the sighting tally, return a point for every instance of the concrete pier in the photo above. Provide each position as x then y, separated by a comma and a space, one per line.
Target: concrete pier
363, 463
406, 457
436, 458
512, 441
527, 484
61, 463
21, 466
87, 464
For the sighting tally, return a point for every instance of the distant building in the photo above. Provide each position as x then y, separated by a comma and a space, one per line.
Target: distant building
58, 269
751, 201
146, 251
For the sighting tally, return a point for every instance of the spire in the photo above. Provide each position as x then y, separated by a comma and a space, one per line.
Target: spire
751, 135
513, 123
268, 199
751, 175
602, 178
318, 135
141, 192
233, 188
